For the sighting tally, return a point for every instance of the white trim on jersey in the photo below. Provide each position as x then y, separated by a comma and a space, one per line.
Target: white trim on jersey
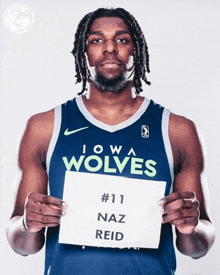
56, 131
112, 128
166, 140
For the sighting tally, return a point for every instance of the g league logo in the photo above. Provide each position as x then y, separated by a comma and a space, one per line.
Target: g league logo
145, 131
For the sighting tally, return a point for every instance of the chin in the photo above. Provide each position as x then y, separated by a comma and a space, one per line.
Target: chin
112, 83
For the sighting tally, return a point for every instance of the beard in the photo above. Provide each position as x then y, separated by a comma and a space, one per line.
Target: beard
113, 84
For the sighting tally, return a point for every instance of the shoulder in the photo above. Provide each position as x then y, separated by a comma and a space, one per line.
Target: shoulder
185, 142
40, 126
181, 127
37, 135
41, 120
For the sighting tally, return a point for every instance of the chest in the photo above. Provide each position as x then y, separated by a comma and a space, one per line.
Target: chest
137, 150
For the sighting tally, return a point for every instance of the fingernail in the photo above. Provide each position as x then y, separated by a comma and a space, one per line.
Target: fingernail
63, 213
64, 204
162, 211
161, 202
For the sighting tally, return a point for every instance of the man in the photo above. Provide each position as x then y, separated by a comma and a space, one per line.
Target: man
111, 57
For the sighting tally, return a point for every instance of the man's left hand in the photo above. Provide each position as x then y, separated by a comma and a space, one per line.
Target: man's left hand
182, 210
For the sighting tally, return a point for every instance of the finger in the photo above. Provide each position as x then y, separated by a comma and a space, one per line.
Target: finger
181, 215
44, 209
45, 199
64, 204
42, 219
187, 225
34, 226
176, 205
175, 196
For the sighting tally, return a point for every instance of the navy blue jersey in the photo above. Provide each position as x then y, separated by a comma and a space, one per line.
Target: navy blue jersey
136, 148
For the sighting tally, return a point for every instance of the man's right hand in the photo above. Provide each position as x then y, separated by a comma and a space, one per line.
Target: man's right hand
42, 211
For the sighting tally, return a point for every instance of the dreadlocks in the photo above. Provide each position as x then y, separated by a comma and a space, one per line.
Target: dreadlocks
141, 56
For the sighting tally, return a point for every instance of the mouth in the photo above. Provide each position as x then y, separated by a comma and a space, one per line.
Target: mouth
109, 62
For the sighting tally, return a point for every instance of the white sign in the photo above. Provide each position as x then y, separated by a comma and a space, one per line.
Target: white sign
111, 211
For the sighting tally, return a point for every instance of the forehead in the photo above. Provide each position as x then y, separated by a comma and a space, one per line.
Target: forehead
108, 25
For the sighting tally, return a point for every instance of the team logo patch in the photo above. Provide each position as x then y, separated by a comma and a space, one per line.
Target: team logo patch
145, 131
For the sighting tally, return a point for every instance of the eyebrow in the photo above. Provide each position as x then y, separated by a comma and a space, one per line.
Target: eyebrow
101, 33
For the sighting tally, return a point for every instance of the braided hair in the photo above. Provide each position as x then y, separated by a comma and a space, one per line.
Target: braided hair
141, 55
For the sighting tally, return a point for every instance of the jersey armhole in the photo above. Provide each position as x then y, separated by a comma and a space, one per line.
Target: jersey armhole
167, 144
53, 141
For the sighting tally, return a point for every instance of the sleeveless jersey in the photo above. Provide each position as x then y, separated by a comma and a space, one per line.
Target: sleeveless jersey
143, 138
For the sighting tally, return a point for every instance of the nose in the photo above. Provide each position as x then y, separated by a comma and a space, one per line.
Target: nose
110, 47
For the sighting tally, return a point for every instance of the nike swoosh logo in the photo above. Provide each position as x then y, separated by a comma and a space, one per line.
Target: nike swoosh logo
67, 132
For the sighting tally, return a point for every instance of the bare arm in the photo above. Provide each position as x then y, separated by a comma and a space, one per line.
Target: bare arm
34, 210
187, 208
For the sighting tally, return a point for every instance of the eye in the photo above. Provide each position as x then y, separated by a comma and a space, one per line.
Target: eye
122, 40
97, 41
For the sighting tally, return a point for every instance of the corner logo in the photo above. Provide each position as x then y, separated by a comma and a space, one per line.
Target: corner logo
145, 131
18, 18
67, 132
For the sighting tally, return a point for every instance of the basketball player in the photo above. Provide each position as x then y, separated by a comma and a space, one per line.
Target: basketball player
111, 58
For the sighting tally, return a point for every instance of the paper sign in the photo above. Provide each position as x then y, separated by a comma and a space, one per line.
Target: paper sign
111, 211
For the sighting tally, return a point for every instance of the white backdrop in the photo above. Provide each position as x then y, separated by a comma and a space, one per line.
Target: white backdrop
37, 73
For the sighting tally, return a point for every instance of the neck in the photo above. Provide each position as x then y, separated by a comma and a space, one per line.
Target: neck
110, 107
98, 97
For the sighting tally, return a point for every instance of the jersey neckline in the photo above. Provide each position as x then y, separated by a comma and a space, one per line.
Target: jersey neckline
107, 127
